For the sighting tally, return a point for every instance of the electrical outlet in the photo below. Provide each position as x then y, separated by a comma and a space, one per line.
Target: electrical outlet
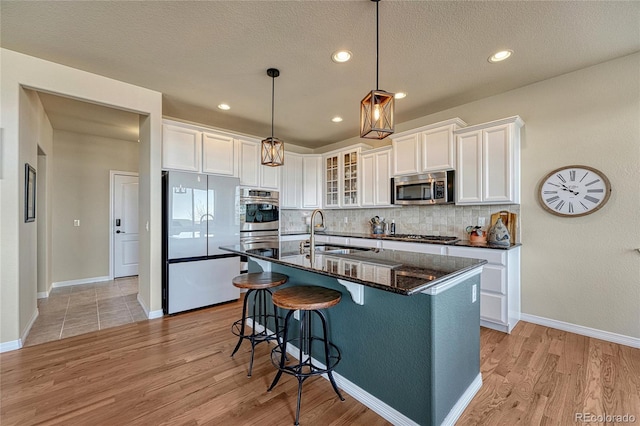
474, 293
481, 221
76, 222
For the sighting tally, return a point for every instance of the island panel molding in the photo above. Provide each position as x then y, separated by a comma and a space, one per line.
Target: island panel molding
574, 191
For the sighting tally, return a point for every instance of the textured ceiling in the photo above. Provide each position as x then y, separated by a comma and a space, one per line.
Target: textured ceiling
199, 54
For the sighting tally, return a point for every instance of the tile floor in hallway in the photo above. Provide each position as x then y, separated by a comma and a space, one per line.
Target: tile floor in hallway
78, 309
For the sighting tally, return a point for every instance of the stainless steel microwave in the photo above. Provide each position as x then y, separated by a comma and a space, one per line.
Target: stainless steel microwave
428, 188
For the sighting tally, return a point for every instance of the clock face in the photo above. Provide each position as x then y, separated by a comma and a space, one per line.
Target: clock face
574, 191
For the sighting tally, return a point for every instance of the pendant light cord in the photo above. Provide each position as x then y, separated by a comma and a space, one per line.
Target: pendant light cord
377, 40
273, 91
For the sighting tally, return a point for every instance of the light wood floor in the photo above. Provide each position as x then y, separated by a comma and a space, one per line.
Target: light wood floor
177, 371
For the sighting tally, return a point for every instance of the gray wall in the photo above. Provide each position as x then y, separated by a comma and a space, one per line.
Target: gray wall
81, 191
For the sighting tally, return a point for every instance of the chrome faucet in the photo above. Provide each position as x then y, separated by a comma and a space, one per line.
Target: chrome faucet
312, 237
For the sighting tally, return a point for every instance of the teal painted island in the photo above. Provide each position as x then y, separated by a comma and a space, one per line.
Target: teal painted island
408, 325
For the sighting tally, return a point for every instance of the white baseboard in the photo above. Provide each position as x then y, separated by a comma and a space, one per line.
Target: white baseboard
43, 294
81, 281
380, 407
583, 331
149, 314
464, 400
25, 333
11, 345
156, 314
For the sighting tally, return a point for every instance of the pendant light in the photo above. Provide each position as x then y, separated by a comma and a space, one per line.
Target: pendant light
272, 148
377, 108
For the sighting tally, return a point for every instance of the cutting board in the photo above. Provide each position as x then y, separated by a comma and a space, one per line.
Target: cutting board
510, 220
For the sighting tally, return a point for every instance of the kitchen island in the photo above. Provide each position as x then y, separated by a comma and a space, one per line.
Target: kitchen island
408, 325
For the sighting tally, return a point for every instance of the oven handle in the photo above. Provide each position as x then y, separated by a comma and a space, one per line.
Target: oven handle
251, 240
258, 200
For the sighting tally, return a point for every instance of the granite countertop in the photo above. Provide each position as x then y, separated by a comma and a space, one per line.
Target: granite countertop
460, 243
396, 271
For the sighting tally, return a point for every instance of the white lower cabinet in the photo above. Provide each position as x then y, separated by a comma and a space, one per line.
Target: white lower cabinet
499, 282
499, 285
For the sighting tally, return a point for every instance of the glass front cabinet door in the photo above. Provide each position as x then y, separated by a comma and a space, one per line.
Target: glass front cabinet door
341, 174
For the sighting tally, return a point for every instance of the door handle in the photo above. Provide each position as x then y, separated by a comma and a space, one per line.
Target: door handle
119, 232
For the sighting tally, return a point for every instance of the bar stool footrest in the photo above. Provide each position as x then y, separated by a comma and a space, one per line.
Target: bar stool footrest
261, 336
298, 369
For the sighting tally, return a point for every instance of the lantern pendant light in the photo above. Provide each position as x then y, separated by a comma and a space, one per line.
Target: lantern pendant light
272, 152
377, 108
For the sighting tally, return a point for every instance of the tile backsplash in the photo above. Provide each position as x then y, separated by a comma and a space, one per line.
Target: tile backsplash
449, 220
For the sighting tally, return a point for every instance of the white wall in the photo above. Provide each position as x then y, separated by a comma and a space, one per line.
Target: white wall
81, 191
17, 285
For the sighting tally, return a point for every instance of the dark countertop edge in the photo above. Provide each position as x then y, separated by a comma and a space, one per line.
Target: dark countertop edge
395, 290
461, 243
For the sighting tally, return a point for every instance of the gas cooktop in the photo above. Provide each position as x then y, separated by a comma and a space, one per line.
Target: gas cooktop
426, 238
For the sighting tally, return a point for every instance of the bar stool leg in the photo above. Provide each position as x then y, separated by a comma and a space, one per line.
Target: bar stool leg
244, 319
326, 354
283, 349
257, 298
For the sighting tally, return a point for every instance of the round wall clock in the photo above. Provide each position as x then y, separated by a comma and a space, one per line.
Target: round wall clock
573, 191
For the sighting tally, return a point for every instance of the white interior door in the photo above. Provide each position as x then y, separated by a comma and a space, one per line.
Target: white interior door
125, 226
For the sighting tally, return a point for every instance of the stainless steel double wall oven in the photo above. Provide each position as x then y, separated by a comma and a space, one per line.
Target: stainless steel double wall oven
259, 219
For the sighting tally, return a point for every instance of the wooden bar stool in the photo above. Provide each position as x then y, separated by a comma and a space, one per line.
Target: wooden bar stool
258, 285
308, 300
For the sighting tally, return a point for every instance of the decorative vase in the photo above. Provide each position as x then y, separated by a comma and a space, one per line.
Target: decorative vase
499, 234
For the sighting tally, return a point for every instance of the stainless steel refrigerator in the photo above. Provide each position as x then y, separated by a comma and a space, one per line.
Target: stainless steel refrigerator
200, 213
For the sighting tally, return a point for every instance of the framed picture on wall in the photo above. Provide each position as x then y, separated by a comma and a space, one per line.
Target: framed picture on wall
29, 193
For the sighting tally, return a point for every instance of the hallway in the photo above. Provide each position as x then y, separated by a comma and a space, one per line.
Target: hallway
73, 310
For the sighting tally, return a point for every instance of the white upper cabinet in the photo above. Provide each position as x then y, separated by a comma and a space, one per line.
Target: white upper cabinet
291, 187
425, 149
311, 181
218, 154
301, 186
248, 162
376, 177
197, 149
342, 179
181, 148
488, 157
406, 154
251, 172
269, 176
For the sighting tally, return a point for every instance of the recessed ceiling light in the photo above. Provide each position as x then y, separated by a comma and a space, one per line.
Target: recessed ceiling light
400, 95
224, 107
500, 56
336, 119
341, 56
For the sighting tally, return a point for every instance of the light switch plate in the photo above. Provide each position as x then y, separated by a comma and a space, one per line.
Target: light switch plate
76, 222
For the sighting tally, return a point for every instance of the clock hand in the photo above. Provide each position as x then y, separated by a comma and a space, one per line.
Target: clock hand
564, 188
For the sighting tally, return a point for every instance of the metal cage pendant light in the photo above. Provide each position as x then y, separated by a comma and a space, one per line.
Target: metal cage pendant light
377, 108
272, 152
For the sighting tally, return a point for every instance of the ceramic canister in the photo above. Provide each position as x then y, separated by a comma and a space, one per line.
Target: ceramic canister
499, 234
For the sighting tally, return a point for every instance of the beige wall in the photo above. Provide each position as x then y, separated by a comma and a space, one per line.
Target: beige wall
581, 270
18, 288
36, 129
81, 191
